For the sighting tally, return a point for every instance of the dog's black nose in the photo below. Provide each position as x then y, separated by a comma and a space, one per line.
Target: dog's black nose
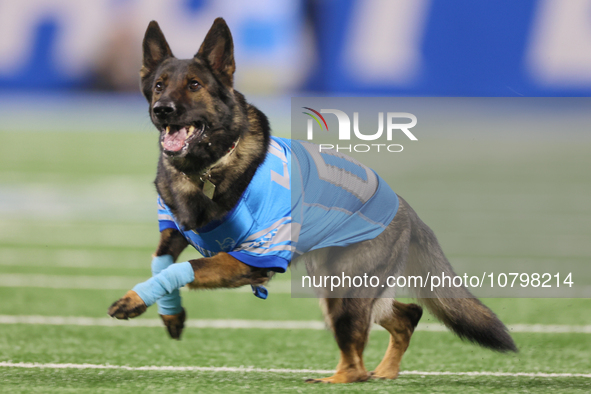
163, 110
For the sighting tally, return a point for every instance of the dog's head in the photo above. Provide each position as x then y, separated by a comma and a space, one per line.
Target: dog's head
192, 101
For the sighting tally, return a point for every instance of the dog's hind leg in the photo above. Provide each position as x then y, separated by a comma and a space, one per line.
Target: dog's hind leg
350, 321
400, 321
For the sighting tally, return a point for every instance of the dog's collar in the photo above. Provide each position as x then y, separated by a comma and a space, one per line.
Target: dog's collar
205, 177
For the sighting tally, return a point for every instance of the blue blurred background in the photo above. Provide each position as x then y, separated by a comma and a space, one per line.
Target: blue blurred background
345, 47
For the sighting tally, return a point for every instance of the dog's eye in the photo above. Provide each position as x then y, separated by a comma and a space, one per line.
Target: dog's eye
194, 85
158, 87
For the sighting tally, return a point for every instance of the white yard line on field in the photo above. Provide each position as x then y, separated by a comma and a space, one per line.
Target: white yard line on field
281, 370
105, 282
258, 324
191, 323
69, 282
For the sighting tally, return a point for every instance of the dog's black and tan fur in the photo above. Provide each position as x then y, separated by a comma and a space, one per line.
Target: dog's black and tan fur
198, 95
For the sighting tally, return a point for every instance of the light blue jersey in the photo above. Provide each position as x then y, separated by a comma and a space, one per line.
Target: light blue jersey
298, 200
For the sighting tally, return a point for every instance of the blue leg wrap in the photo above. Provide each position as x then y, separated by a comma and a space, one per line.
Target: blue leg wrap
166, 283
170, 304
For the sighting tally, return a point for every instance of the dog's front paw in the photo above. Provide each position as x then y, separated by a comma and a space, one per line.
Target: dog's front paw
175, 324
130, 305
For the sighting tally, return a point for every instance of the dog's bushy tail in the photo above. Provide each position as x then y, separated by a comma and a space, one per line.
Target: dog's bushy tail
455, 307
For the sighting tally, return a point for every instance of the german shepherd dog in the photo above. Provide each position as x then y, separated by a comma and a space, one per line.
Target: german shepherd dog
200, 118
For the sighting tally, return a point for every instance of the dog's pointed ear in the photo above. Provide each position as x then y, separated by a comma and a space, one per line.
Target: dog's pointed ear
217, 50
156, 49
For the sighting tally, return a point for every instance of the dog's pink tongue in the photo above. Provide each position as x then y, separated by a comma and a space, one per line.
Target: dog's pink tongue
174, 142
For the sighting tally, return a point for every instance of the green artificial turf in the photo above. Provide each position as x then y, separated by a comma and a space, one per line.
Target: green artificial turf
79, 208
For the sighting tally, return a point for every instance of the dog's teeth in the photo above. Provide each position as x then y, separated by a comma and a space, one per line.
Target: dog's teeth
191, 130
167, 129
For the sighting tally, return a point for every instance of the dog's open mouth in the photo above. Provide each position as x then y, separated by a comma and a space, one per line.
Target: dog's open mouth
175, 138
